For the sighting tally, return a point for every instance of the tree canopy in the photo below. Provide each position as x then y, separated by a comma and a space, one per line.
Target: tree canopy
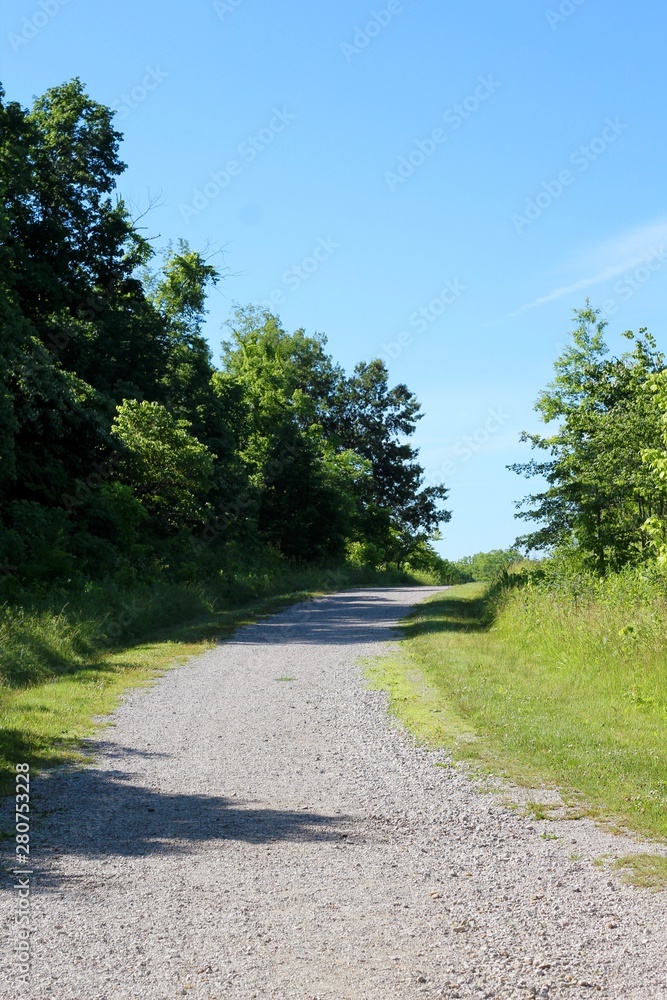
601, 462
123, 446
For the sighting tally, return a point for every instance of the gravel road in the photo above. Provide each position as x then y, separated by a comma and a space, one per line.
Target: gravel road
254, 825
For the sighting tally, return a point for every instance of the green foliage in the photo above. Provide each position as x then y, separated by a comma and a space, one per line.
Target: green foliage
376, 421
600, 493
170, 470
487, 566
424, 558
655, 462
125, 453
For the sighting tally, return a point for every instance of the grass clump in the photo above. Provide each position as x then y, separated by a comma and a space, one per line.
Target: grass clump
647, 871
551, 684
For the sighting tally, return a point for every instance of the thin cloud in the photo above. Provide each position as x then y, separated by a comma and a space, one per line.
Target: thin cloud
607, 260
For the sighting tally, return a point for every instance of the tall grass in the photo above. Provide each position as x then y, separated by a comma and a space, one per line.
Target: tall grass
604, 638
591, 656
564, 681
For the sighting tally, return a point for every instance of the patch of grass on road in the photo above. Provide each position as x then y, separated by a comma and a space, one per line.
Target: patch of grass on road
648, 871
531, 706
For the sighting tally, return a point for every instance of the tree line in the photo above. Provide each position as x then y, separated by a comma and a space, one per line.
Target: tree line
124, 450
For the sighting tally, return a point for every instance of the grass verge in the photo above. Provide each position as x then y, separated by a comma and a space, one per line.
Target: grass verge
538, 705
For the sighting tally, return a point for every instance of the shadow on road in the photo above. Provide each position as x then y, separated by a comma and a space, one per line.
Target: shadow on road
117, 818
353, 617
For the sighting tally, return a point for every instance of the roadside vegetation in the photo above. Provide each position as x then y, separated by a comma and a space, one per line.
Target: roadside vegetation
555, 669
546, 686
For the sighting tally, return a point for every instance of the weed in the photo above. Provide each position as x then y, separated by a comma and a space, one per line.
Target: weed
647, 871
536, 810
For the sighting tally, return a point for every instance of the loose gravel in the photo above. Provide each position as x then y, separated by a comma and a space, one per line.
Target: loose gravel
254, 825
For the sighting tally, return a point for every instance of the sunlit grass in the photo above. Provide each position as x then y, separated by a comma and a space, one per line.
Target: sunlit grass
561, 689
647, 871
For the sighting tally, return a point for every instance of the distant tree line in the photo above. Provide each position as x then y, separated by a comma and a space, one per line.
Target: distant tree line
487, 566
124, 450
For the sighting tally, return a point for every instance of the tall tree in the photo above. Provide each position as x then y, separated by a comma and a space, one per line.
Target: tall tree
376, 422
303, 489
599, 492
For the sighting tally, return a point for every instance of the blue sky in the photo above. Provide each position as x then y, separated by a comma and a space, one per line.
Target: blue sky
441, 183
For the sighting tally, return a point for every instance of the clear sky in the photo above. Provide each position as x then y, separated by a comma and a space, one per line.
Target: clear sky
437, 181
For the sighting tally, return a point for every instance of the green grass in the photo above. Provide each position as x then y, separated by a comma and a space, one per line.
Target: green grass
547, 688
648, 871
64, 663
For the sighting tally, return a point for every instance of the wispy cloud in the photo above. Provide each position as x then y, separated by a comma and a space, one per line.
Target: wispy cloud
606, 260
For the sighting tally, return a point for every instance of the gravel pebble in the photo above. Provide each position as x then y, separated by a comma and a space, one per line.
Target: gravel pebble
254, 825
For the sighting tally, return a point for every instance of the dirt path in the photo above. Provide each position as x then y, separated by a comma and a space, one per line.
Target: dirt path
242, 834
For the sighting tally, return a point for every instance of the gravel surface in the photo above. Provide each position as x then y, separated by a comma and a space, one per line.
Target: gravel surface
254, 825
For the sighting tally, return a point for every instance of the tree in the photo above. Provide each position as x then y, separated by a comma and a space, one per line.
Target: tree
599, 492
655, 462
487, 565
121, 445
170, 471
303, 491
71, 239
374, 421
179, 296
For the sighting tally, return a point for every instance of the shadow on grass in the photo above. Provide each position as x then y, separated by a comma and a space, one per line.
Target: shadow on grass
40, 660
19, 746
453, 613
